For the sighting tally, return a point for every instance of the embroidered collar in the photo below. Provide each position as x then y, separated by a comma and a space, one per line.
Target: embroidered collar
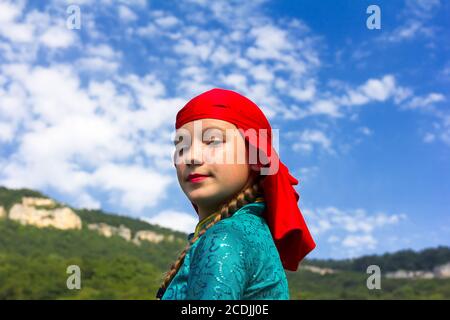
204, 222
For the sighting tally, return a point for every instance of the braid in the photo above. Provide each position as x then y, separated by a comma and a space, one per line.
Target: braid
248, 194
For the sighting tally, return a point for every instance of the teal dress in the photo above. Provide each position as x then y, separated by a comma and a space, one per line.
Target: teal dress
235, 259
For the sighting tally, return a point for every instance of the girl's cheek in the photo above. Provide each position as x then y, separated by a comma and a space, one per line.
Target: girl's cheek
180, 169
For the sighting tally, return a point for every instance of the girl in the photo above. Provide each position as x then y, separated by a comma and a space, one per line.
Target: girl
250, 226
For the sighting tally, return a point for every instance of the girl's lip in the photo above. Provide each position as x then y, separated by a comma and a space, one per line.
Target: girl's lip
197, 177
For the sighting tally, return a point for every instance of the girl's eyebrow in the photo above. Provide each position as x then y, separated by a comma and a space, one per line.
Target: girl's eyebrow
213, 127
175, 142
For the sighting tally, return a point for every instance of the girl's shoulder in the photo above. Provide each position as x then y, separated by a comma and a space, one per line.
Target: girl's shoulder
249, 216
246, 228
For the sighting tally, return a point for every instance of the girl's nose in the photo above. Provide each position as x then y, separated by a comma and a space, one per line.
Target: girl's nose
194, 155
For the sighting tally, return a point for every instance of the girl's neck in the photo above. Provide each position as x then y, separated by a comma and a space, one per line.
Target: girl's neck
204, 212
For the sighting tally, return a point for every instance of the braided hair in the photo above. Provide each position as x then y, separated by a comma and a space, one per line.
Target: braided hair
248, 194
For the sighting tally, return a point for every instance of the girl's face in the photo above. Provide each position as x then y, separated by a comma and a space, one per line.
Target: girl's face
208, 143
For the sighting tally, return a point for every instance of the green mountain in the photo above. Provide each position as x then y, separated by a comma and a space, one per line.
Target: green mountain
124, 258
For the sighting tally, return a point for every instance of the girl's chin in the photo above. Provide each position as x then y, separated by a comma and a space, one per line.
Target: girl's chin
202, 196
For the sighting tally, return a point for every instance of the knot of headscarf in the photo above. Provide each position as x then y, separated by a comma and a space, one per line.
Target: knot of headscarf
283, 216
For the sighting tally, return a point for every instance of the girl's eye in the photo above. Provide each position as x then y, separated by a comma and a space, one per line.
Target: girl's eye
214, 142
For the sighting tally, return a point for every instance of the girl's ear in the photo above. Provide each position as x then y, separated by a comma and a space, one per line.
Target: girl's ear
255, 167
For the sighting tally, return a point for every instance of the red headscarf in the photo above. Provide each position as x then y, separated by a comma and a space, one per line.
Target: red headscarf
283, 216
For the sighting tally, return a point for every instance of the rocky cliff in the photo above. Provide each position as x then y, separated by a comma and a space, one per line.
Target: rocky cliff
44, 213
439, 272
124, 232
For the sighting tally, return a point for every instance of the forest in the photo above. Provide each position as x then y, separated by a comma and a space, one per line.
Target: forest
33, 263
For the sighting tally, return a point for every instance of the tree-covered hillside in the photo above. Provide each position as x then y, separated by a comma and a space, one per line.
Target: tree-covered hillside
33, 263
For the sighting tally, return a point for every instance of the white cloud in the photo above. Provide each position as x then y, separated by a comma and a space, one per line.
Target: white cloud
126, 14
335, 105
85, 201
90, 123
235, 80
303, 94
360, 241
325, 107
175, 220
375, 90
68, 145
222, 56
379, 89
6, 132
102, 50
270, 42
307, 173
58, 37
260, 72
251, 50
333, 239
12, 110
196, 50
167, 21
433, 104
415, 17
422, 8
366, 131
9, 11
138, 187
33, 28
55, 92
10, 27
99, 58
423, 102
350, 231
429, 137
97, 64
147, 31
308, 138
408, 31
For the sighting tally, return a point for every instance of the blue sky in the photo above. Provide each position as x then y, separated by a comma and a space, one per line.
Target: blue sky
87, 115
